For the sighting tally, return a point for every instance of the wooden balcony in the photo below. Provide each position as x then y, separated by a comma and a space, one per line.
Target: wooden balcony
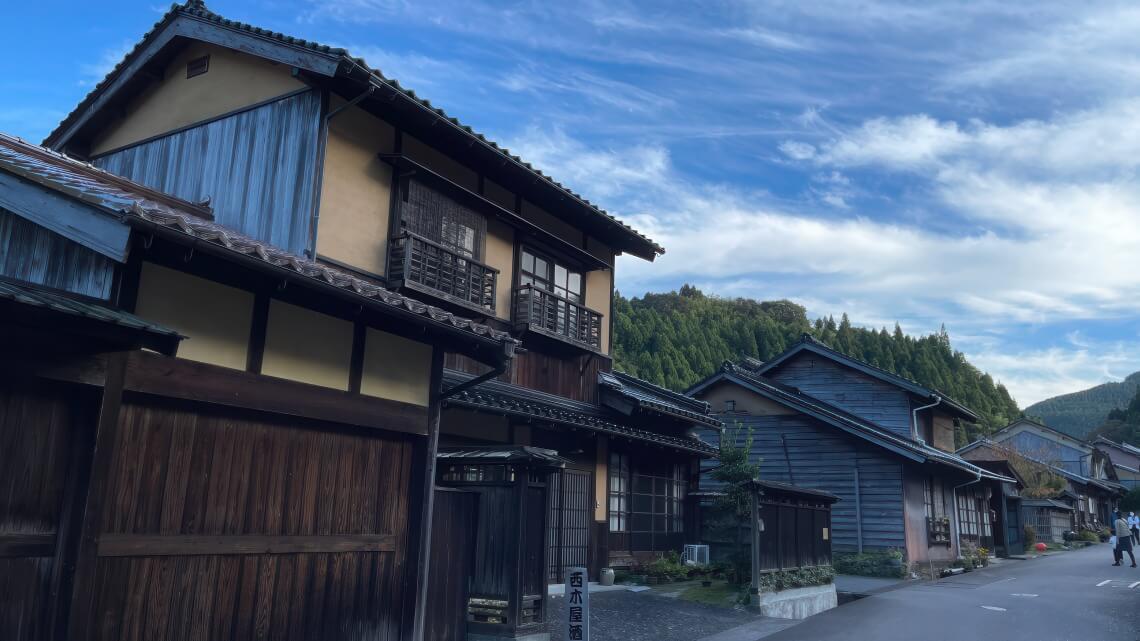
556, 317
414, 262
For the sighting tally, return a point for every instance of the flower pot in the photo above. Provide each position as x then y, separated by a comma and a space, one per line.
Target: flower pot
606, 576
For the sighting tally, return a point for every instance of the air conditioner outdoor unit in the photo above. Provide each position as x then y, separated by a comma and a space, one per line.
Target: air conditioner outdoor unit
695, 555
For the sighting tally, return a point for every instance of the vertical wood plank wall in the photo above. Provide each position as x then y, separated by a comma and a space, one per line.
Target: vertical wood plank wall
451, 564
41, 425
803, 451
575, 378
31, 253
181, 470
225, 161
858, 393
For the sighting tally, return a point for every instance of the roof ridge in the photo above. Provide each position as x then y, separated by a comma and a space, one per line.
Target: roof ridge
198, 9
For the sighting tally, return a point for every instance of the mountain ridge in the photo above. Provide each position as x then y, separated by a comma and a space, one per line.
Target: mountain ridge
1079, 413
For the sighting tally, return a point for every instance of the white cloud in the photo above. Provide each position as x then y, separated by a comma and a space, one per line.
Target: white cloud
1034, 375
92, 72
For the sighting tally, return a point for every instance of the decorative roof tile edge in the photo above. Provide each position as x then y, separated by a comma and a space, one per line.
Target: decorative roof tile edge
483, 398
198, 9
617, 380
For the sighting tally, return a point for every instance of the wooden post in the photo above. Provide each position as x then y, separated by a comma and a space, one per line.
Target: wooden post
859, 513
106, 432
755, 587
428, 499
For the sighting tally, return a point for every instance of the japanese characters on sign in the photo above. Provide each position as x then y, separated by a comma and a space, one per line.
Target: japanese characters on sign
577, 605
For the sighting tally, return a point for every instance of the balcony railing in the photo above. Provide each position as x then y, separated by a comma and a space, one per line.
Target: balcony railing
425, 265
558, 317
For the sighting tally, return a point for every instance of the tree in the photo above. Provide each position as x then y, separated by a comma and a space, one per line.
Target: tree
733, 508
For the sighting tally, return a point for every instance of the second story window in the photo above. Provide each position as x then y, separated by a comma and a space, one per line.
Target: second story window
432, 215
549, 275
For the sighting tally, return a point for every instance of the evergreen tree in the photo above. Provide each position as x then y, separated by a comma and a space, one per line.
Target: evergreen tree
676, 339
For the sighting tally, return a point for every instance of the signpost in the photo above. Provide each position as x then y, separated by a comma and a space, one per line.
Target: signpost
577, 605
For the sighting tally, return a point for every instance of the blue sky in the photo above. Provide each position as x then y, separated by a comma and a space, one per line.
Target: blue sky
968, 164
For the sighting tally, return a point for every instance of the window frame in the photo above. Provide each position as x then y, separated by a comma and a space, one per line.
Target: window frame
554, 262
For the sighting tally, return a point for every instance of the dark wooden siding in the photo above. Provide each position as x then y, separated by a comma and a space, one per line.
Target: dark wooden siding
573, 377
256, 167
187, 471
858, 393
43, 428
805, 452
31, 253
451, 564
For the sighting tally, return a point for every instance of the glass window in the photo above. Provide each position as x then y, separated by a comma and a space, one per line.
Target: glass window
549, 275
619, 492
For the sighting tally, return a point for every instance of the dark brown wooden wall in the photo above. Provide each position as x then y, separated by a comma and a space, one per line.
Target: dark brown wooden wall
41, 428
452, 556
334, 503
574, 377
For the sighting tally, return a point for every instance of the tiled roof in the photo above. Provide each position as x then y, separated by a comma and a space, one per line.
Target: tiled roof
513, 400
501, 454
198, 9
149, 210
657, 399
853, 423
32, 296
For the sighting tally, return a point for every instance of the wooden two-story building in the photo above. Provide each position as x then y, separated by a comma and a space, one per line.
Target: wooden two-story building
308, 160
884, 445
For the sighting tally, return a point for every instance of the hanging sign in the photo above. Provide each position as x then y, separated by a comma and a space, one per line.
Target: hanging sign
577, 605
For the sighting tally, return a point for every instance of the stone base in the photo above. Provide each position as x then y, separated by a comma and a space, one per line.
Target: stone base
797, 603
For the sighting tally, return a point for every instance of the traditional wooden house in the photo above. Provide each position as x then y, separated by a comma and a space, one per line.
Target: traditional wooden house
203, 435
307, 150
1125, 460
1047, 444
884, 445
1092, 499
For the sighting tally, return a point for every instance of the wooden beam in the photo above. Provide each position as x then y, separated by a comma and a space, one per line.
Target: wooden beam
356, 362
188, 380
106, 434
27, 545
422, 529
257, 330
84, 223
205, 544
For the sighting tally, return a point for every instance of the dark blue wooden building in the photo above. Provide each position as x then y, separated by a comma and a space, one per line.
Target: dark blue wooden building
882, 444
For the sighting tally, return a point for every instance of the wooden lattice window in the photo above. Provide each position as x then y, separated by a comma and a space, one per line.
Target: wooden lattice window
431, 214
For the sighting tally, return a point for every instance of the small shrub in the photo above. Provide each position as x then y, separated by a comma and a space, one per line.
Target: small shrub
1030, 536
887, 564
1090, 536
791, 579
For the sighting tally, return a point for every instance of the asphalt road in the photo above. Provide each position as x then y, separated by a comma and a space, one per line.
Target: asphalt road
1071, 596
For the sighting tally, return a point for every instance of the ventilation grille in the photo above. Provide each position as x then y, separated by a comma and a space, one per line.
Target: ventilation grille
197, 66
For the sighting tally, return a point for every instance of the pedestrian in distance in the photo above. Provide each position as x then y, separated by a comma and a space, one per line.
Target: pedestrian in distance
1134, 525
1123, 540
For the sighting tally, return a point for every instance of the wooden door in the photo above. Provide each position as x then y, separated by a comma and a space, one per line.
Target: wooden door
45, 431
452, 562
222, 524
571, 514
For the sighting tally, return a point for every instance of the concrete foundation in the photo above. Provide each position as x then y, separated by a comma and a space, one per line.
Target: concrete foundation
797, 603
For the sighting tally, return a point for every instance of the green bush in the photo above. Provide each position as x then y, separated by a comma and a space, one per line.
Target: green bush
668, 567
883, 564
1030, 536
1090, 536
790, 579
1131, 501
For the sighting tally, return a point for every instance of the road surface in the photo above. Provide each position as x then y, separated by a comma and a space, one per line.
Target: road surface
1071, 596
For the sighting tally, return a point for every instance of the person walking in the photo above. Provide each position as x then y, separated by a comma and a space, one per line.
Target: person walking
1123, 540
1134, 525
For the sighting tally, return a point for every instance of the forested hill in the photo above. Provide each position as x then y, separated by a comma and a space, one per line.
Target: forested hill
676, 339
1079, 413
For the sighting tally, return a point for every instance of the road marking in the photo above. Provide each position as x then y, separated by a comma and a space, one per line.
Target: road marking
1103, 583
1133, 585
1030, 596
993, 607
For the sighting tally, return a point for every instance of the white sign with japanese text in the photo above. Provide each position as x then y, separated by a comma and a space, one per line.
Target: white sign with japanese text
577, 605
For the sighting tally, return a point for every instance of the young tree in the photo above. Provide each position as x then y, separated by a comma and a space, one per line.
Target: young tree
733, 508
